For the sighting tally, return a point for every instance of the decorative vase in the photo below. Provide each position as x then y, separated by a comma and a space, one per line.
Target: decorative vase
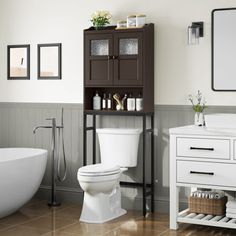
98, 26
198, 119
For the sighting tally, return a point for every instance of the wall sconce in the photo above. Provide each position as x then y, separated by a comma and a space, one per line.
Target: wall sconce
195, 31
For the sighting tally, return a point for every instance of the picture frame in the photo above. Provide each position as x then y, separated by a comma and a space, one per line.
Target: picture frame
18, 62
49, 61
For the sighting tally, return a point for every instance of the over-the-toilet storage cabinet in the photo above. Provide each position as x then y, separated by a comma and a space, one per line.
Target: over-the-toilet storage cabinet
201, 158
121, 61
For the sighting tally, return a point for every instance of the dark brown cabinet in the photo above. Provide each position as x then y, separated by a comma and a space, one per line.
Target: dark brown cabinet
119, 61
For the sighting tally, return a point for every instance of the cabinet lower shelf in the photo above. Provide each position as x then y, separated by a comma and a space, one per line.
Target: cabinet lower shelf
208, 220
114, 112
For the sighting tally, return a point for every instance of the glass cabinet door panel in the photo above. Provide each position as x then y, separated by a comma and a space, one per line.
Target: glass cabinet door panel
128, 46
100, 47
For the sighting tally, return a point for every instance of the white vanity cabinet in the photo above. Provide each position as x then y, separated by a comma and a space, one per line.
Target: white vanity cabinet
201, 158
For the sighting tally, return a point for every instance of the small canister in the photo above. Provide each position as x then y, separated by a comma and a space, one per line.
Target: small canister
139, 103
140, 20
121, 24
131, 103
131, 21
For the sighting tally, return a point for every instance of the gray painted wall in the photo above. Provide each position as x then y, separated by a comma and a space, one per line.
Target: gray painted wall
17, 121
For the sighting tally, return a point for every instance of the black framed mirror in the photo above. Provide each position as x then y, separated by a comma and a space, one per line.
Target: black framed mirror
18, 62
224, 49
49, 61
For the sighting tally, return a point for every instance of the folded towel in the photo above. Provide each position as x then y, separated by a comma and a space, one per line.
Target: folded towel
233, 216
231, 204
231, 210
208, 194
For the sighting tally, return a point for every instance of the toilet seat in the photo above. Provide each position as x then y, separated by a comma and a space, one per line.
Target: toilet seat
98, 170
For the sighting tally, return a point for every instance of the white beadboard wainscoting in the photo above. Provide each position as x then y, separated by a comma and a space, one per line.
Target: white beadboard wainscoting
17, 121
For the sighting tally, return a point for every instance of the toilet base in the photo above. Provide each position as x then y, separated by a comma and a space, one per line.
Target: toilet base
99, 208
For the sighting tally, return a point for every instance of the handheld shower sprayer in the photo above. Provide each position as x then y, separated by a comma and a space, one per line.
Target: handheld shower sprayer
61, 148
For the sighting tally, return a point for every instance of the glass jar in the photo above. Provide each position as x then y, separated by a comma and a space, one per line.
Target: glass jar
131, 21
140, 20
121, 24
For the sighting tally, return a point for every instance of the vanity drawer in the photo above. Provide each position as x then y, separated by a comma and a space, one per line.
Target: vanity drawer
206, 173
203, 148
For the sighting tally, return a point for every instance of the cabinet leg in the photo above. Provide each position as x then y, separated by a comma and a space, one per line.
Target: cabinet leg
94, 139
152, 166
85, 141
174, 207
144, 166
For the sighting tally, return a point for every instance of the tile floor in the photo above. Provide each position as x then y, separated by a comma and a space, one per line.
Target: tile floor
35, 218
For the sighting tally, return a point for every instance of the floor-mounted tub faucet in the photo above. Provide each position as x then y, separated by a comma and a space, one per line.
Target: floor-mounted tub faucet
55, 156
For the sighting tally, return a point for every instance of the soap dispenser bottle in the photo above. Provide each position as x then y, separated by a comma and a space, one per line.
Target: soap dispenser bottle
104, 102
96, 102
109, 102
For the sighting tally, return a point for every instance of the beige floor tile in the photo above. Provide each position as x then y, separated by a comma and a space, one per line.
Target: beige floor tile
50, 223
132, 232
59, 233
22, 231
88, 229
40, 208
69, 212
148, 223
17, 218
5, 226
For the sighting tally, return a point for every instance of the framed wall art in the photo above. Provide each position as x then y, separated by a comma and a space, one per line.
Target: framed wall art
49, 61
18, 62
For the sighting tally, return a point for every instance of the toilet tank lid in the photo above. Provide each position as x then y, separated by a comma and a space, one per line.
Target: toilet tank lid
118, 131
99, 169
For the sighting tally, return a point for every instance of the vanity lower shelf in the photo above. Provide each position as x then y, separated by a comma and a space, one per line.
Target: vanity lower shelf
208, 220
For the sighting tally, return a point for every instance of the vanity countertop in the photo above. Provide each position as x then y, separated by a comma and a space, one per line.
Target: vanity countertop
202, 130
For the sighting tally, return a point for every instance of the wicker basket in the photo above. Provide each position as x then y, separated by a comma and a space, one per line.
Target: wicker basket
207, 206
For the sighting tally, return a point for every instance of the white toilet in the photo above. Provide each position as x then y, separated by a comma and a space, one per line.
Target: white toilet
100, 182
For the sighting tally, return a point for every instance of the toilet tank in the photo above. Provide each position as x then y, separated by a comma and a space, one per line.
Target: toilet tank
119, 146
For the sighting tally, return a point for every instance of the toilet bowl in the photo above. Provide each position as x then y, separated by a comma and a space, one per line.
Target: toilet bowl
101, 193
100, 182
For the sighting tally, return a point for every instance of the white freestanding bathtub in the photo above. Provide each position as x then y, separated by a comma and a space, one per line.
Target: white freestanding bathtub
21, 172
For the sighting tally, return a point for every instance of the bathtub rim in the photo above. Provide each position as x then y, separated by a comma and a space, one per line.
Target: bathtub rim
32, 152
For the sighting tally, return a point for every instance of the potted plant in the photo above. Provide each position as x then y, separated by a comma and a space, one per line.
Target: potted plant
199, 105
100, 19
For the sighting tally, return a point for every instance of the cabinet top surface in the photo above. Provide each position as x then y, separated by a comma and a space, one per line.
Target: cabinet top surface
196, 130
108, 29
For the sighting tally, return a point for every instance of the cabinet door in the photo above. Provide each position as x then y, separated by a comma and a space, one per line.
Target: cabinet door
128, 58
98, 63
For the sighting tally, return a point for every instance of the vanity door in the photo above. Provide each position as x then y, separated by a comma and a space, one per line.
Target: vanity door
98, 60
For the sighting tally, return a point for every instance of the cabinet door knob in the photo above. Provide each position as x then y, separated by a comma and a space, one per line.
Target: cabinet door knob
114, 57
109, 57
